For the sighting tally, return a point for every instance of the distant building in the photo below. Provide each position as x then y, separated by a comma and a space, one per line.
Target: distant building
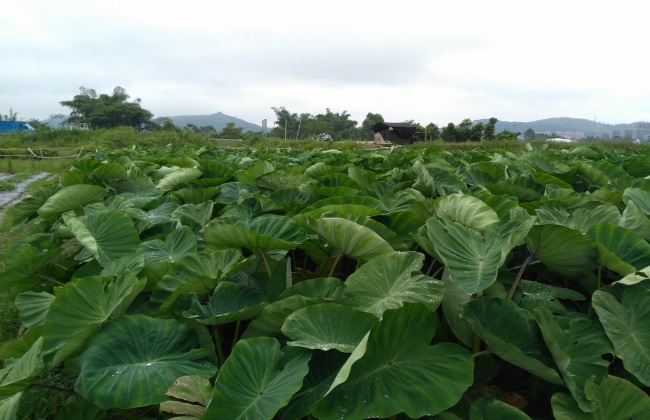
641, 131
398, 133
574, 135
561, 140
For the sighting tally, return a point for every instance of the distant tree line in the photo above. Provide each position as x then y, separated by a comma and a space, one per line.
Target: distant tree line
339, 125
115, 110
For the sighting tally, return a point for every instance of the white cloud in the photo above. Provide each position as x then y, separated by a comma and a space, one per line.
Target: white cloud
425, 61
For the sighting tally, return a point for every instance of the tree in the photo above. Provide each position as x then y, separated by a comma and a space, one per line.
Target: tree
507, 135
339, 126
366, 126
12, 116
433, 132
468, 131
106, 111
529, 134
489, 129
165, 124
38, 126
286, 124
293, 126
449, 134
465, 131
230, 131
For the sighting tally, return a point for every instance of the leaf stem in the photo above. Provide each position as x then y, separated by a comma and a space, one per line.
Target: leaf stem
433, 262
236, 336
217, 339
266, 263
477, 340
40, 276
53, 388
438, 272
481, 353
520, 274
336, 261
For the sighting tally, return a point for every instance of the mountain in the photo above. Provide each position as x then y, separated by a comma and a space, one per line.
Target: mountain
562, 124
218, 121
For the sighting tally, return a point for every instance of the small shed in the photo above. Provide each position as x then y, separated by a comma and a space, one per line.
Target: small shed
398, 133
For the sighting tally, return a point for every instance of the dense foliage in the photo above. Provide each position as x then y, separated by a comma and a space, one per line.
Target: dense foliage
284, 283
106, 111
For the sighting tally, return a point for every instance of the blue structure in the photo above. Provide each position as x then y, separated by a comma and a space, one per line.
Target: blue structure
7, 127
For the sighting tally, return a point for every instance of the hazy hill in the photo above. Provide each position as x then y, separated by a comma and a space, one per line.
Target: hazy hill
589, 127
218, 121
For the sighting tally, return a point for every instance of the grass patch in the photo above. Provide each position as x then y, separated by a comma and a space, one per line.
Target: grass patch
51, 388
7, 185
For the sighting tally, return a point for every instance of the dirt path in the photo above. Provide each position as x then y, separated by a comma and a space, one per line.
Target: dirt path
7, 198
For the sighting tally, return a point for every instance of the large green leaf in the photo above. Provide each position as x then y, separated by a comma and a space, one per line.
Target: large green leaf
308, 292
350, 238
522, 187
179, 176
133, 360
635, 220
466, 210
79, 310
489, 409
323, 368
256, 380
627, 324
266, 233
235, 192
33, 307
18, 374
9, 406
472, 257
620, 249
613, 398
400, 371
108, 235
197, 273
453, 303
193, 215
328, 326
320, 169
179, 243
577, 345
638, 166
387, 282
582, 218
638, 196
109, 173
270, 320
361, 201
532, 294
564, 250
29, 262
70, 198
191, 395
230, 302
512, 334
290, 198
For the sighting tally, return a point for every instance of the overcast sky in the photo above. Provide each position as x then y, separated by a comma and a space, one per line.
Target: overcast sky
418, 60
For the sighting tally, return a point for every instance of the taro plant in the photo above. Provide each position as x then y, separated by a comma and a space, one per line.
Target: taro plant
290, 284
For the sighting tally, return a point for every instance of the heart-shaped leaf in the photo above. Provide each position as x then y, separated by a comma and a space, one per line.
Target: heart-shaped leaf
133, 360
627, 324
256, 380
400, 371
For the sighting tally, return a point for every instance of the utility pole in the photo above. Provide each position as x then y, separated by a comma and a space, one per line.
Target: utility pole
299, 124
